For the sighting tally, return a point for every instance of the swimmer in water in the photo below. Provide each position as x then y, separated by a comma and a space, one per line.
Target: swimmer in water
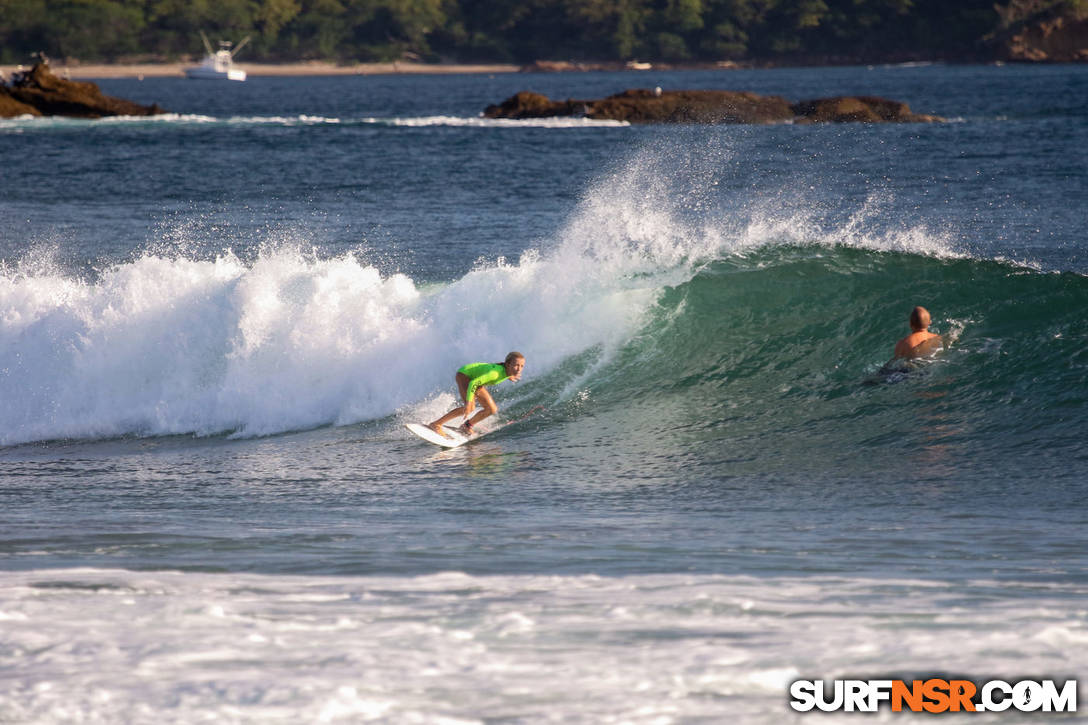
920, 342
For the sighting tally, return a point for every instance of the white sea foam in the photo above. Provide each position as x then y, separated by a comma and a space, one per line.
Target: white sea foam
300, 120
290, 341
179, 648
22, 123
480, 122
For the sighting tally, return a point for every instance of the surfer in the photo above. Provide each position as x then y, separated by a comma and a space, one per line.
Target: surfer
920, 341
471, 380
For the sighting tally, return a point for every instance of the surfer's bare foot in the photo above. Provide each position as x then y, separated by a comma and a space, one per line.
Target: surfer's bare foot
438, 429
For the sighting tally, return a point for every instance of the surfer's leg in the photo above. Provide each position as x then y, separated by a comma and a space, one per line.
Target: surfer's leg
485, 403
454, 414
462, 388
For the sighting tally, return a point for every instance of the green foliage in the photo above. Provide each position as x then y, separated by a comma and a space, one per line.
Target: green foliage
683, 16
86, 28
23, 29
725, 41
272, 15
614, 26
671, 46
514, 30
389, 29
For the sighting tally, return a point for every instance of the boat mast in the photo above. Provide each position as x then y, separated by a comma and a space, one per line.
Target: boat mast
244, 41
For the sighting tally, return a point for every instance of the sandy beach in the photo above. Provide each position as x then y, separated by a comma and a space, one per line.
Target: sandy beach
161, 70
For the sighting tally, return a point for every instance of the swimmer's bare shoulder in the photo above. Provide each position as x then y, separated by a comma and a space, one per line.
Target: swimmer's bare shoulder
919, 345
920, 342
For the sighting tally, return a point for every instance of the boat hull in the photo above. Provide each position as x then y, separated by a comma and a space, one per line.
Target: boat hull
205, 74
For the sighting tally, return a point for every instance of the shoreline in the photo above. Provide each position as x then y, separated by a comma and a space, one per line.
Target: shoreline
314, 68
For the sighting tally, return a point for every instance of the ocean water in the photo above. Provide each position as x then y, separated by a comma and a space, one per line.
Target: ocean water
214, 324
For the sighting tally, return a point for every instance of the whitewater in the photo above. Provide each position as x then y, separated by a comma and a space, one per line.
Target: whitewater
165, 346
454, 648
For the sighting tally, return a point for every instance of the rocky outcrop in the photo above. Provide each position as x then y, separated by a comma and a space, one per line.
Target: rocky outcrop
12, 108
642, 106
657, 106
38, 92
863, 109
527, 104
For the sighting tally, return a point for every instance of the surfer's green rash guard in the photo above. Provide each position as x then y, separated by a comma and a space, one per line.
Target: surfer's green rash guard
482, 374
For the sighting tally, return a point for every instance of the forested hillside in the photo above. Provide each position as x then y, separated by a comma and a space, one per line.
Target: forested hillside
521, 31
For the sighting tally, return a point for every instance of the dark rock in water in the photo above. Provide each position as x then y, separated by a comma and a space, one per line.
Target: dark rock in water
657, 106
644, 106
47, 95
527, 104
11, 108
641, 106
866, 109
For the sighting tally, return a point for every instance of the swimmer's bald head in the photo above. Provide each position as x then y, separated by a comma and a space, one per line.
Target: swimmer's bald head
919, 318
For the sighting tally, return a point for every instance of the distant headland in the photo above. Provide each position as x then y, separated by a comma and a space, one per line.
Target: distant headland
94, 38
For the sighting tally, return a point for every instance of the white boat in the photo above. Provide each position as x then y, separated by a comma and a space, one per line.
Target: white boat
218, 65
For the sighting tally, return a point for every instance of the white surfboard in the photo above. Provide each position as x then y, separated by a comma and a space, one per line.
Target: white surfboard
456, 438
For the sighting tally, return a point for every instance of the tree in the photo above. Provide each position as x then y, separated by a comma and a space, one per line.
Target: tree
272, 15
93, 28
724, 40
387, 29
173, 26
317, 31
683, 16
24, 29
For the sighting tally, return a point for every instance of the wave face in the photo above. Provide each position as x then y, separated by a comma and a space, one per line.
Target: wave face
665, 301
786, 344
774, 316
